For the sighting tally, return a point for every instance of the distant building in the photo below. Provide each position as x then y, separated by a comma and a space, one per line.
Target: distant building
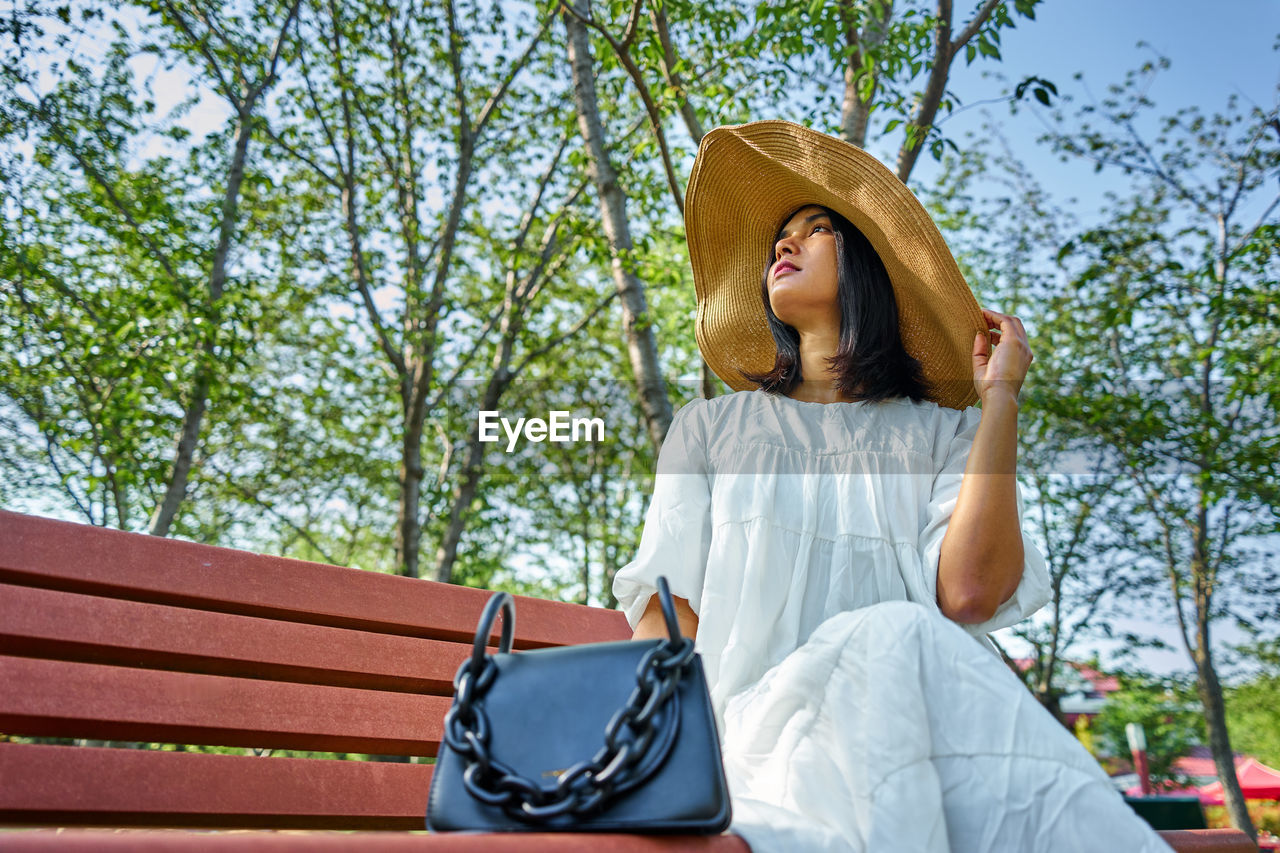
1197, 765
1083, 689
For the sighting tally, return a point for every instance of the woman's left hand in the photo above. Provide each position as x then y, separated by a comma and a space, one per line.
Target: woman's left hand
1001, 366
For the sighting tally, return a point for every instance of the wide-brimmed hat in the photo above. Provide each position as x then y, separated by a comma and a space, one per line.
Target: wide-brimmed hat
747, 178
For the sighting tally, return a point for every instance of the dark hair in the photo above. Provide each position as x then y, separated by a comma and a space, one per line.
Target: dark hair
870, 355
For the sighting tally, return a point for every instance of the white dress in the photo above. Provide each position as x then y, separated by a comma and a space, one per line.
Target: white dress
854, 716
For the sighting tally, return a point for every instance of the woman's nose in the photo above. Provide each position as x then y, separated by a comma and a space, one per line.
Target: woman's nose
789, 243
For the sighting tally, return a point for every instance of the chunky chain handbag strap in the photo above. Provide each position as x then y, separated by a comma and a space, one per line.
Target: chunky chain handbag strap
633, 748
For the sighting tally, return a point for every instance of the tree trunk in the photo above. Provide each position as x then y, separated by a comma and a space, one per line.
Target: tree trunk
183, 456
945, 51
1215, 717
193, 417
855, 112
937, 85
658, 14
707, 384
641, 347
1210, 690
1046, 691
421, 316
463, 496
421, 334
408, 537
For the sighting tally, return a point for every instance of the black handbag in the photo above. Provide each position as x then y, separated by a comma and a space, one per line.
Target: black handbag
601, 737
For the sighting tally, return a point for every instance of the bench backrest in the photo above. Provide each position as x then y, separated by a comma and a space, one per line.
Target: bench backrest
113, 636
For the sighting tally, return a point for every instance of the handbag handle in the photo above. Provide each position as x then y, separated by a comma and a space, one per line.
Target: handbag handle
501, 603
669, 610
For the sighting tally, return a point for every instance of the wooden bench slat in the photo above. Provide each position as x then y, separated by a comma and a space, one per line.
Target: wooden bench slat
1209, 841
145, 788
161, 841
89, 629
66, 785
52, 554
61, 699
1200, 841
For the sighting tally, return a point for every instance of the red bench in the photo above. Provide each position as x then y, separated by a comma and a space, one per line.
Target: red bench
112, 636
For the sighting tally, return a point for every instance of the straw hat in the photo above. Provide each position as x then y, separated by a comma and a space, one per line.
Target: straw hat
747, 178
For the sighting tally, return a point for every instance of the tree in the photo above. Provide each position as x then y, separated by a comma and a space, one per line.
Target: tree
101, 269
245, 70
365, 131
1173, 311
92, 126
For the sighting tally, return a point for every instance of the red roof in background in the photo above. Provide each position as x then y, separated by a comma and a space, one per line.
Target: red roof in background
1100, 683
1199, 762
1257, 782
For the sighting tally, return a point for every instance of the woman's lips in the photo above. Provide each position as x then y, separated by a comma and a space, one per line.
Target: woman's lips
783, 269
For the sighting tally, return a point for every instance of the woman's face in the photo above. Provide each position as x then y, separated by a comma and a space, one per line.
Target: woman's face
803, 279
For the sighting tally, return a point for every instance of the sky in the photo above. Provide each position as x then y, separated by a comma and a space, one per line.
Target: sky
1215, 49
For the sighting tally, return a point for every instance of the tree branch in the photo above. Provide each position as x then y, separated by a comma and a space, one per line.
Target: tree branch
658, 14
91, 171
973, 26
298, 155
255, 499
655, 118
498, 94
455, 65
202, 44
315, 104
557, 340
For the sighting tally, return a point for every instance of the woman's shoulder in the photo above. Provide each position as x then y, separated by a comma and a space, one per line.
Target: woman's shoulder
709, 407
739, 407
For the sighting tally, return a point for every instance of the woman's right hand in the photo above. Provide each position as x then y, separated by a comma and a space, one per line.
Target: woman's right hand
652, 625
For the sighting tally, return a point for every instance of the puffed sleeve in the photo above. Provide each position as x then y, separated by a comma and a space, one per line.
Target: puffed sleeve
1033, 590
677, 525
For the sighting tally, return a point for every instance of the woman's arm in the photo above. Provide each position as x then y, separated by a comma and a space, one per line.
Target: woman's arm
981, 558
653, 627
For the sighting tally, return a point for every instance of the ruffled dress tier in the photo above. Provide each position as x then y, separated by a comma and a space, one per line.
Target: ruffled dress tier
854, 716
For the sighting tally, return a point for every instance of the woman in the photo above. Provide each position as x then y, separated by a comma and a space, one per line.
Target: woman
843, 531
